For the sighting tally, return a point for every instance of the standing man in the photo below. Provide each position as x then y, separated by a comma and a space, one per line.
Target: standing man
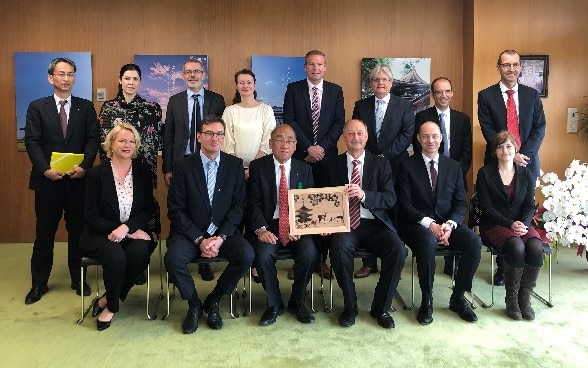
59, 123
456, 131
369, 185
270, 177
433, 207
315, 109
390, 124
206, 202
185, 112
510, 106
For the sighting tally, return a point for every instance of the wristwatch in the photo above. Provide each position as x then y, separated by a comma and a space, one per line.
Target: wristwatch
223, 237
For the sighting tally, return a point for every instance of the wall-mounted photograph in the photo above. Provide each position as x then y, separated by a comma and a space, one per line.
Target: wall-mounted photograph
534, 72
30, 75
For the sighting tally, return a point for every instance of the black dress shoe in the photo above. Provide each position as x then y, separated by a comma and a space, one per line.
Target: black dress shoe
384, 319
499, 277
347, 317
190, 323
75, 285
463, 310
302, 314
36, 293
96, 308
271, 314
102, 325
425, 314
214, 319
206, 272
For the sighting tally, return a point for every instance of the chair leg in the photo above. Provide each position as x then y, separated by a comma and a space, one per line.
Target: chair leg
149, 316
329, 305
247, 296
411, 285
84, 311
168, 297
312, 307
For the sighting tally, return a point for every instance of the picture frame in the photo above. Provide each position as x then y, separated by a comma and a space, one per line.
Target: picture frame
535, 72
318, 210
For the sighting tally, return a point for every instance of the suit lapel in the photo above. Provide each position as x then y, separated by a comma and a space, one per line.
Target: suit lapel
497, 181
366, 179
110, 188
53, 115
500, 102
206, 104
294, 175
423, 173
392, 106
74, 118
201, 179
342, 169
306, 97
184, 109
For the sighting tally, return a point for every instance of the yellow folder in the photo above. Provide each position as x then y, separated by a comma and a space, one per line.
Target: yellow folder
65, 162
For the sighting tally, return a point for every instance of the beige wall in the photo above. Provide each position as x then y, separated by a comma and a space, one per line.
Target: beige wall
454, 33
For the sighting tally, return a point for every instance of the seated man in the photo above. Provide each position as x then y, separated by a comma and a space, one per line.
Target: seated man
206, 201
269, 180
368, 183
432, 203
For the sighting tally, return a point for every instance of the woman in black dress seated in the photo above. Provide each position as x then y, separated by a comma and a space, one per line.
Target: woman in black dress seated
506, 194
119, 203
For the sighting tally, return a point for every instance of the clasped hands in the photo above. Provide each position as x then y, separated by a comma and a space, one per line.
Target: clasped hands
315, 154
122, 232
519, 228
54, 175
442, 232
266, 236
209, 247
354, 190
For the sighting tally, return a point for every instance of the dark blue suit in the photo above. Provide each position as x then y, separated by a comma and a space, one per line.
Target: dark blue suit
297, 114
492, 117
190, 214
43, 135
261, 205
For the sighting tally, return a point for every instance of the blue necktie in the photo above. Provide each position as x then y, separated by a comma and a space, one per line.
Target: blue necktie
379, 116
444, 135
210, 184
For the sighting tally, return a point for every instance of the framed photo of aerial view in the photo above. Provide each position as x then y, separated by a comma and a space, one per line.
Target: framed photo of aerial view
318, 211
534, 72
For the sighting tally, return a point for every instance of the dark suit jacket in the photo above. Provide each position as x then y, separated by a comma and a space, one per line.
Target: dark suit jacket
492, 117
188, 206
496, 209
177, 124
43, 135
415, 195
297, 113
460, 131
102, 214
397, 127
376, 181
262, 188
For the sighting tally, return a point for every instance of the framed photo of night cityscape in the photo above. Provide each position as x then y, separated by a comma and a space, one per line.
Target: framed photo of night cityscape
318, 211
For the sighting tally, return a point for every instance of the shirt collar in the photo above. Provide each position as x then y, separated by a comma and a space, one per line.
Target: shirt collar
350, 158
446, 112
191, 93
503, 87
311, 86
205, 159
428, 160
57, 99
286, 164
386, 99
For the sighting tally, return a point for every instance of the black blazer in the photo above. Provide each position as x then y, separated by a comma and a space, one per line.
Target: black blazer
43, 135
377, 184
415, 195
460, 131
102, 214
262, 188
496, 210
492, 117
397, 127
177, 124
188, 206
298, 114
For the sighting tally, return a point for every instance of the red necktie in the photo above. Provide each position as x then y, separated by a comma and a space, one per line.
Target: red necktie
433, 173
63, 116
315, 113
512, 119
354, 214
283, 224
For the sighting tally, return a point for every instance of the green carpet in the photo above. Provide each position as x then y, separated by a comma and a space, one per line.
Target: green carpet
45, 334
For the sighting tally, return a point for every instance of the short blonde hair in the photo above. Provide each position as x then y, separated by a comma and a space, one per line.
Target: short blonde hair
112, 135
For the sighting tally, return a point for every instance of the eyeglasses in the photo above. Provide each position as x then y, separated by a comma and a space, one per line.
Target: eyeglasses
209, 135
508, 65
381, 80
441, 93
431, 136
195, 72
63, 75
282, 141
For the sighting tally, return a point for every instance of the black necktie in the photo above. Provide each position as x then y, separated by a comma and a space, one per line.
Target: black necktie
195, 123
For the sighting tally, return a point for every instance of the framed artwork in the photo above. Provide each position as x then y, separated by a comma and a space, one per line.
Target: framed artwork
534, 72
318, 210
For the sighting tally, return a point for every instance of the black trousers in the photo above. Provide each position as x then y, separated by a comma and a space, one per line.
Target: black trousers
64, 199
424, 245
181, 252
305, 257
378, 239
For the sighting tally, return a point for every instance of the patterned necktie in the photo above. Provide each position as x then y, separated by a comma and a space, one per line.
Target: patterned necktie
444, 135
283, 222
210, 184
379, 116
63, 117
512, 119
433, 173
354, 214
316, 112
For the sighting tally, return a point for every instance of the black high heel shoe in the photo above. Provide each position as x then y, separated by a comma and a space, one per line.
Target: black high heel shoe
101, 326
96, 308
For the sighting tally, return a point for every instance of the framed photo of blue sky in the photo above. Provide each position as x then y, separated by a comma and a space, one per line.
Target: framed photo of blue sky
534, 72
